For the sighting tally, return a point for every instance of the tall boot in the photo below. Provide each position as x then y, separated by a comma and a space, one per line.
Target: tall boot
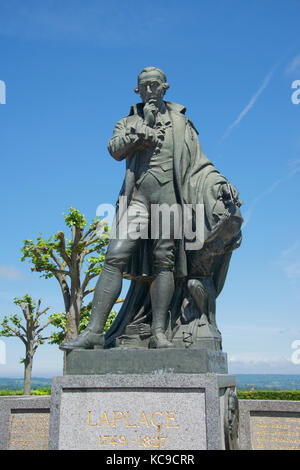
106, 293
161, 293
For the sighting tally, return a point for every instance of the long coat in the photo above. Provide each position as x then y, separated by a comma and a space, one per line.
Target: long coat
193, 172
196, 181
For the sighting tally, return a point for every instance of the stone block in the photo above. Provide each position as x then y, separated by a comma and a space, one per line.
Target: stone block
141, 412
269, 425
145, 361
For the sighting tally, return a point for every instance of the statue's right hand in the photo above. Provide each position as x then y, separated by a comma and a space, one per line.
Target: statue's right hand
146, 133
150, 112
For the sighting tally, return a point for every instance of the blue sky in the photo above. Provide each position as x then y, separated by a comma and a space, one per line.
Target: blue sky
70, 69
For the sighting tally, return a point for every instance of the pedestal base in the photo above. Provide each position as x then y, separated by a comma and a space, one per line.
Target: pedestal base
140, 412
145, 361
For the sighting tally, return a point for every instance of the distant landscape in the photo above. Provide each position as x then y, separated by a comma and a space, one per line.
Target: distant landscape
17, 384
268, 381
244, 382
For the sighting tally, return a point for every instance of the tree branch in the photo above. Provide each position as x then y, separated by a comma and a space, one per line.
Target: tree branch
16, 333
25, 310
89, 291
97, 247
92, 240
62, 248
56, 260
38, 314
42, 328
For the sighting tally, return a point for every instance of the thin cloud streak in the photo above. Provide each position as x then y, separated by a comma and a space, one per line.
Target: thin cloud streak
251, 103
268, 191
293, 65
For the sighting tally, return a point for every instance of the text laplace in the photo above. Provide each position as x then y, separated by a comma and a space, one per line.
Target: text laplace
157, 419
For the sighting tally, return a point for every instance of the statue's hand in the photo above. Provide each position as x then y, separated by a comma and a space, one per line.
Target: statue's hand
147, 135
150, 113
230, 195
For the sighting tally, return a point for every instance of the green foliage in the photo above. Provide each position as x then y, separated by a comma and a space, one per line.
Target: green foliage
74, 262
85, 318
75, 218
6, 329
85, 315
28, 329
110, 320
242, 395
13, 325
39, 391
42, 391
59, 321
269, 395
26, 300
39, 253
8, 392
52, 255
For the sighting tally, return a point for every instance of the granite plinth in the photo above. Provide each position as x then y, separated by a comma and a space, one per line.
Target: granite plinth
145, 361
141, 412
24, 422
269, 425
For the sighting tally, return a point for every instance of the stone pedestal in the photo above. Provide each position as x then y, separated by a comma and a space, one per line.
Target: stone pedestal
145, 361
140, 411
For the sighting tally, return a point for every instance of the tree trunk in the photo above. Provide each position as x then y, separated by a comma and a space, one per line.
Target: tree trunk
73, 315
27, 372
71, 328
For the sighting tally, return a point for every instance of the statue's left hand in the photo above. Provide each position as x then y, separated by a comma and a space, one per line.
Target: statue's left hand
230, 195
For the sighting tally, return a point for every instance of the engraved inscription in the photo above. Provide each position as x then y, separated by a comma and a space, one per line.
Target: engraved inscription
113, 419
275, 432
28, 431
118, 420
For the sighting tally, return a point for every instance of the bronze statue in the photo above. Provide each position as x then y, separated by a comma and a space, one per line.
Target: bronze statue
174, 284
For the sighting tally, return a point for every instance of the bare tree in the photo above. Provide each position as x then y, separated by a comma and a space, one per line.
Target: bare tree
28, 330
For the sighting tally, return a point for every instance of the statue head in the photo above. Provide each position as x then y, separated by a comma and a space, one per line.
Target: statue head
152, 85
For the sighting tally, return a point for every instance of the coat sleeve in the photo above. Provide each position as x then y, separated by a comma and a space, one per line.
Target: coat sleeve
123, 143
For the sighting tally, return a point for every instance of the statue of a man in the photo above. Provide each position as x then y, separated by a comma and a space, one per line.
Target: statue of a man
164, 165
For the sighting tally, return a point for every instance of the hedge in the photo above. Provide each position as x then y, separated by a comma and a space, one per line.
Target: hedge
242, 395
38, 391
269, 395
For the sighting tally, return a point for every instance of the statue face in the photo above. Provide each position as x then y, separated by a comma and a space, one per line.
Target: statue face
151, 87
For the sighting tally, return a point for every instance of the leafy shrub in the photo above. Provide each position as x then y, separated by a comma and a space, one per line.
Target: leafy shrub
269, 395
38, 391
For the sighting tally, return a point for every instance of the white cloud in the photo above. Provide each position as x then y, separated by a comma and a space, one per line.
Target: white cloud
289, 261
291, 249
294, 65
10, 273
251, 102
256, 365
293, 270
294, 169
